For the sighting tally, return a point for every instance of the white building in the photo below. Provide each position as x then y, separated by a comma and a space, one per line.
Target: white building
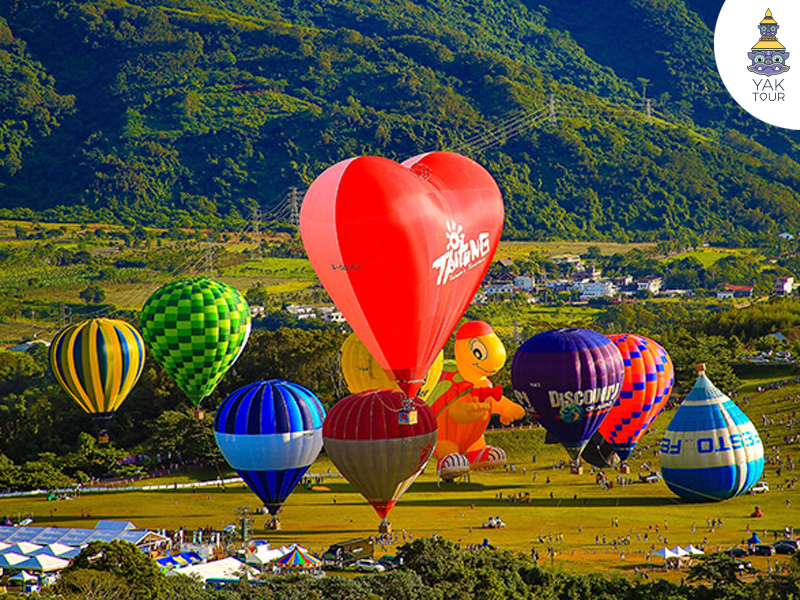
257, 311
623, 281
784, 285
331, 314
604, 288
588, 274
493, 288
302, 311
524, 283
651, 284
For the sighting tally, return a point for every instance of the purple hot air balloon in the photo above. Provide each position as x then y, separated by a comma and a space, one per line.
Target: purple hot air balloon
570, 379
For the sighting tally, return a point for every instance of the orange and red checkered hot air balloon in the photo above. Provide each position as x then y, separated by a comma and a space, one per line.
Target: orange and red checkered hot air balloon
649, 376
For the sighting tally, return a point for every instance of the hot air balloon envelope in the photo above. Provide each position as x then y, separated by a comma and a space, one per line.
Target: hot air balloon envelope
270, 432
98, 362
362, 372
378, 455
710, 451
196, 329
649, 377
402, 249
570, 378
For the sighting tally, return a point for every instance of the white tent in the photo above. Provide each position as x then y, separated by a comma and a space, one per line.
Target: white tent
264, 555
693, 550
665, 553
679, 552
226, 569
23, 577
27, 548
60, 550
43, 562
10, 559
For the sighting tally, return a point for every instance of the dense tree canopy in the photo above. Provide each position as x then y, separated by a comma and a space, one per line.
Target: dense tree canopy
193, 112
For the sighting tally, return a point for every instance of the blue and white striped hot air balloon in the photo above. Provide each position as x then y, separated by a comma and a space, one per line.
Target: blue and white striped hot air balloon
270, 432
710, 451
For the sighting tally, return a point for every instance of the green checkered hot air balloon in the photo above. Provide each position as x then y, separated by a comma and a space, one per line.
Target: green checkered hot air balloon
196, 328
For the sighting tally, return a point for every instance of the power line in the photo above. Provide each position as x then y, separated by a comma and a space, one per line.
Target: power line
287, 208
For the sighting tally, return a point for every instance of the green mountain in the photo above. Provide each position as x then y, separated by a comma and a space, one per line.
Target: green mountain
193, 112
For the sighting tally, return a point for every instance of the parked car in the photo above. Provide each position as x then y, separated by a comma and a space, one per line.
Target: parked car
763, 550
390, 561
762, 487
369, 564
736, 552
785, 546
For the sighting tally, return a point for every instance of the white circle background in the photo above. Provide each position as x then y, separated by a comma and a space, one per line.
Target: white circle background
736, 34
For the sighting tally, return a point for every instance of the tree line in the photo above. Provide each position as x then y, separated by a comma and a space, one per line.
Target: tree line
433, 569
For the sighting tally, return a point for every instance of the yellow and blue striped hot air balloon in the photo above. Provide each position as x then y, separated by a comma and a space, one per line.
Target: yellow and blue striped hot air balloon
98, 362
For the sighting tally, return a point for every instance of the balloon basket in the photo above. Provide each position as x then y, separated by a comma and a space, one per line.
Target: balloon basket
199, 414
273, 525
624, 469
385, 527
102, 437
576, 467
407, 417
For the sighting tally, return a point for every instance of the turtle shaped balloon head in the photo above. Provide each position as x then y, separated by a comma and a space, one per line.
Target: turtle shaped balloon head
478, 351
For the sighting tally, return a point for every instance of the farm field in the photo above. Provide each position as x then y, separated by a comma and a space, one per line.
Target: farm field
512, 249
38, 295
567, 513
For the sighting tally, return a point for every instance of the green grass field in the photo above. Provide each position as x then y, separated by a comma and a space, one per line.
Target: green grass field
578, 510
708, 256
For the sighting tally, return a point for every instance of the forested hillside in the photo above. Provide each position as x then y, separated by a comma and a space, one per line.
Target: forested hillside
193, 112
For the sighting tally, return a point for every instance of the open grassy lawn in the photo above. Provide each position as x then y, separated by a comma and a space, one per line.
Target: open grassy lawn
570, 514
578, 510
708, 256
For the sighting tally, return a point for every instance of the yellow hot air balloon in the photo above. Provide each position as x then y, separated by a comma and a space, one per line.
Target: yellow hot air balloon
98, 362
362, 372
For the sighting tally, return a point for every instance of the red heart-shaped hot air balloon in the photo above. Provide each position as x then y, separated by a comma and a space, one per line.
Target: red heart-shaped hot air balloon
401, 249
378, 455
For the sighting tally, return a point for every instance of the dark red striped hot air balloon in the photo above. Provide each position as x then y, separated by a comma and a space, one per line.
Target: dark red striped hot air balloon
377, 454
649, 376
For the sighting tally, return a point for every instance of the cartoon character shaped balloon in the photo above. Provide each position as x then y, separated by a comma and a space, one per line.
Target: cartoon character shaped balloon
362, 372
710, 451
196, 329
465, 400
97, 363
649, 376
401, 249
570, 378
379, 456
270, 432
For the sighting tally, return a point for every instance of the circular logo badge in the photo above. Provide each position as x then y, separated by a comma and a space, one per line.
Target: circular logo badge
753, 46
571, 413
